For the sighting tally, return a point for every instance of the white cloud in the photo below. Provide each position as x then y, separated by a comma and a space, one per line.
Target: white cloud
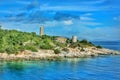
88, 23
94, 2
87, 14
51, 23
57, 23
86, 18
75, 8
78, 6
68, 22
79, 28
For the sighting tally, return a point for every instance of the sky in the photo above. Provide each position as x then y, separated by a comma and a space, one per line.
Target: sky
95, 20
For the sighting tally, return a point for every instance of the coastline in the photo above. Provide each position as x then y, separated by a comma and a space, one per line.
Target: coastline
50, 55
18, 45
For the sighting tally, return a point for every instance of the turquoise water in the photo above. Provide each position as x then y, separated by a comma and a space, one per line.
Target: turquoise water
99, 68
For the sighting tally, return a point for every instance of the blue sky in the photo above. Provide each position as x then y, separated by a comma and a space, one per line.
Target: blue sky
88, 19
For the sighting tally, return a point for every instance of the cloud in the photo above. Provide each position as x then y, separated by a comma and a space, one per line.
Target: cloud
37, 16
75, 8
65, 16
79, 28
85, 18
35, 12
94, 34
51, 23
21, 26
87, 14
32, 5
94, 2
90, 23
68, 22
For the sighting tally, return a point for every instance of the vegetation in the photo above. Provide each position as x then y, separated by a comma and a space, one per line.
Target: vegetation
65, 49
99, 46
85, 43
56, 51
74, 45
82, 43
13, 41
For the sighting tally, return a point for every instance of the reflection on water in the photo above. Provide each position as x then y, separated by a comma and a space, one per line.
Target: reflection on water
15, 66
1, 67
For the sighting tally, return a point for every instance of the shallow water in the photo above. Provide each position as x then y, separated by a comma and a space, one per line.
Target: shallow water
99, 68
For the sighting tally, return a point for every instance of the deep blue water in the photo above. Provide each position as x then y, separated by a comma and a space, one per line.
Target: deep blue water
109, 44
99, 68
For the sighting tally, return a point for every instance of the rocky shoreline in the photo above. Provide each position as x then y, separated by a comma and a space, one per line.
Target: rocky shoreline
50, 55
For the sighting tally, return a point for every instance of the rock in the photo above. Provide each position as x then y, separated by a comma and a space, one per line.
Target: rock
49, 54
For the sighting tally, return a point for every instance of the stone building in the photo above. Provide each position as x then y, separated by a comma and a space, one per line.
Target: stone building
61, 39
74, 39
41, 30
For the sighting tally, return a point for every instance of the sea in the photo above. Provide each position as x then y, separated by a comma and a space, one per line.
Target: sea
97, 68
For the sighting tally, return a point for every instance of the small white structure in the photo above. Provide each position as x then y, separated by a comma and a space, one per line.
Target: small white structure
74, 39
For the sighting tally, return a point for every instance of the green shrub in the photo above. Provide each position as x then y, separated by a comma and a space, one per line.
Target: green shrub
2, 50
46, 46
74, 45
21, 48
68, 41
11, 50
84, 41
57, 51
99, 46
91, 44
31, 48
60, 44
65, 49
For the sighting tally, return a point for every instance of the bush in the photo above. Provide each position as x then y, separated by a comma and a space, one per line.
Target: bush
99, 46
11, 50
69, 41
84, 41
2, 50
57, 51
65, 49
60, 44
74, 45
91, 44
21, 48
46, 46
31, 48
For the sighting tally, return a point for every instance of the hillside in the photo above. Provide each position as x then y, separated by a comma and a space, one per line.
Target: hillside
13, 41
